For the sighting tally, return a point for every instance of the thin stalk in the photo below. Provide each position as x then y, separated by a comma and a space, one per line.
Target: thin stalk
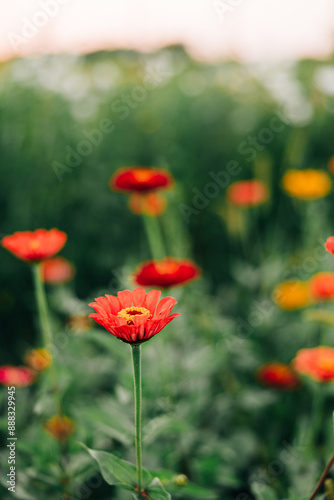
317, 416
154, 237
42, 307
322, 478
136, 360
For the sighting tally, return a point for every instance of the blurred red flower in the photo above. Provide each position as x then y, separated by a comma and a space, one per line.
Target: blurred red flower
35, 245
151, 203
329, 245
19, 376
140, 179
317, 363
246, 194
167, 272
278, 375
322, 286
57, 271
135, 316
59, 427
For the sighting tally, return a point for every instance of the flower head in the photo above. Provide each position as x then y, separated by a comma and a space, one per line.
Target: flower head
317, 363
36, 245
140, 179
59, 427
245, 194
329, 245
57, 271
151, 203
307, 184
291, 295
79, 323
135, 316
167, 272
38, 359
19, 376
322, 286
278, 376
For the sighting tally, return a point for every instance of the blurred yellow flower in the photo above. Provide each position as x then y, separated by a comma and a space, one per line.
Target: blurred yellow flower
59, 427
291, 295
307, 184
38, 359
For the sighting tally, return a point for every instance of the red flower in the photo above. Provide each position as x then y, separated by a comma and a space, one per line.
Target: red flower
278, 376
35, 245
317, 363
140, 179
329, 245
167, 272
19, 376
246, 194
151, 203
135, 316
57, 271
322, 286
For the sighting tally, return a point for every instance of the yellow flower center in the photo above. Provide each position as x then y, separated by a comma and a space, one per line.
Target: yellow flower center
142, 175
326, 364
166, 267
34, 245
129, 312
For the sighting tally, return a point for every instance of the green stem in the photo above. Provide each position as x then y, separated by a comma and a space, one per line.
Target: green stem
323, 477
136, 359
317, 416
42, 307
153, 233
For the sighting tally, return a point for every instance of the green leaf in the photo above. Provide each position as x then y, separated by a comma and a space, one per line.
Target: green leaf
156, 491
116, 471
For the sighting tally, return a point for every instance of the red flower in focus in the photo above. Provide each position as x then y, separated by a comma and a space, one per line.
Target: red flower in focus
167, 272
140, 179
151, 203
317, 363
278, 376
246, 194
57, 271
35, 245
135, 316
322, 286
329, 245
19, 376
59, 427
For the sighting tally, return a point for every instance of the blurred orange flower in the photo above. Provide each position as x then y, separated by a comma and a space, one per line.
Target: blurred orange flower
322, 286
35, 245
317, 363
79, 323
307, 184
291, 295
151, 203
59, 427
19, 376
140, 179
136, 316
278, 376
329, 245
247, 194
167, 272
38, 359
57, 271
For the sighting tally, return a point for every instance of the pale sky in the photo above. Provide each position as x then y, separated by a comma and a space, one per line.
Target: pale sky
249, 30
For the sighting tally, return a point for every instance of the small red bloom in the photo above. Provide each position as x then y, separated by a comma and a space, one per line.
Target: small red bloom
329, 245
246, 194
322, 286
151, 203
135, 316
57, 271
35, 245
278, 376
167, 272
317, 363
19, 376
140, 179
